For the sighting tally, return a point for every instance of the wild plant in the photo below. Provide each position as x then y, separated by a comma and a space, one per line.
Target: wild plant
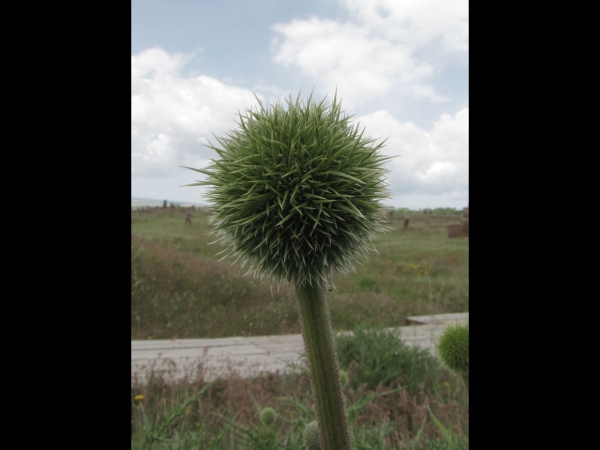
453, 350
161, 429
296, 193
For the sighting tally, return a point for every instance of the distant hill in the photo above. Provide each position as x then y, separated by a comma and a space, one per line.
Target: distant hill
138, 202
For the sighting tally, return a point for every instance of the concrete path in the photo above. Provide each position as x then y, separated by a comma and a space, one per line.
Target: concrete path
250, 356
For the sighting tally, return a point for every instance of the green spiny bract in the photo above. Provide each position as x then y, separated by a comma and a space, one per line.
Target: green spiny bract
267, 416
311, 436
296, 191
343, 377
453, 348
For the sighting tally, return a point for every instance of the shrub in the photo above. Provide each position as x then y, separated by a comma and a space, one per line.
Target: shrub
368, 284
382, 357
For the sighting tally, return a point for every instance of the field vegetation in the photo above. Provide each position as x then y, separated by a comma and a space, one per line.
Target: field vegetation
394, 395
180, 289
397, 396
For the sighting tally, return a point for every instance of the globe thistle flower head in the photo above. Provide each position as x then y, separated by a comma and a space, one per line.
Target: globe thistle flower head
311, 436
453, 348
297, 190
268, 416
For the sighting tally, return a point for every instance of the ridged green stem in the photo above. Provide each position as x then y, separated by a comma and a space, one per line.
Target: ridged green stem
323, 365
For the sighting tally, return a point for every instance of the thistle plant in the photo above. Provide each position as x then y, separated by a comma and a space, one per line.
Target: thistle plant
268, 416
311, 436
453, 350
263, 437
296, 193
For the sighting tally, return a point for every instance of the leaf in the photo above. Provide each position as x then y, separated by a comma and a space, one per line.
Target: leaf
447, 433
345, 175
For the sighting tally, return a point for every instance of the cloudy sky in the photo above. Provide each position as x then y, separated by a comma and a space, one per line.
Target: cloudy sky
400, 67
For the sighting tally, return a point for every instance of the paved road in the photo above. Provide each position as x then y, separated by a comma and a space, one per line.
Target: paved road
249, 356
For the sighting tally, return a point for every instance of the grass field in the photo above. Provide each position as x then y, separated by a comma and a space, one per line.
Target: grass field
391, 398
180, 289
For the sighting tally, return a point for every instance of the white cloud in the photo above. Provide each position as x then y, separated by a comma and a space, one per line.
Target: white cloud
432, 162
173, 115
415, 22
374, 53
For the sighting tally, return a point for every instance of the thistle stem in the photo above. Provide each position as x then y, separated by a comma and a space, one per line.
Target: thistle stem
324, 369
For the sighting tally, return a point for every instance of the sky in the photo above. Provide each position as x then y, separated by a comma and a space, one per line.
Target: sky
400, 68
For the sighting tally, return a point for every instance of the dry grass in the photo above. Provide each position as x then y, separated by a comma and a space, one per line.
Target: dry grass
177, 295
179, 289
233, 398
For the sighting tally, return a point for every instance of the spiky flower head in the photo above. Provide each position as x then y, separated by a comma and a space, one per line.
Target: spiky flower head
297, 190
453, 348
267, 416
311, 436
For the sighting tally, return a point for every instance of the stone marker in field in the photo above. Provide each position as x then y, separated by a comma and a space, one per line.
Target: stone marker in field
188, 219
454, 231
464, 228
405, 227
165, 204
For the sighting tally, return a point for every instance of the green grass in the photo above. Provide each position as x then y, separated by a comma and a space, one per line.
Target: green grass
180, 289
388, 404
380, 356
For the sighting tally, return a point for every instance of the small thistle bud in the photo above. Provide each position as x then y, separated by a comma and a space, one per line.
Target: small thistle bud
344, 377
311, 436
453, 349
267, 416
